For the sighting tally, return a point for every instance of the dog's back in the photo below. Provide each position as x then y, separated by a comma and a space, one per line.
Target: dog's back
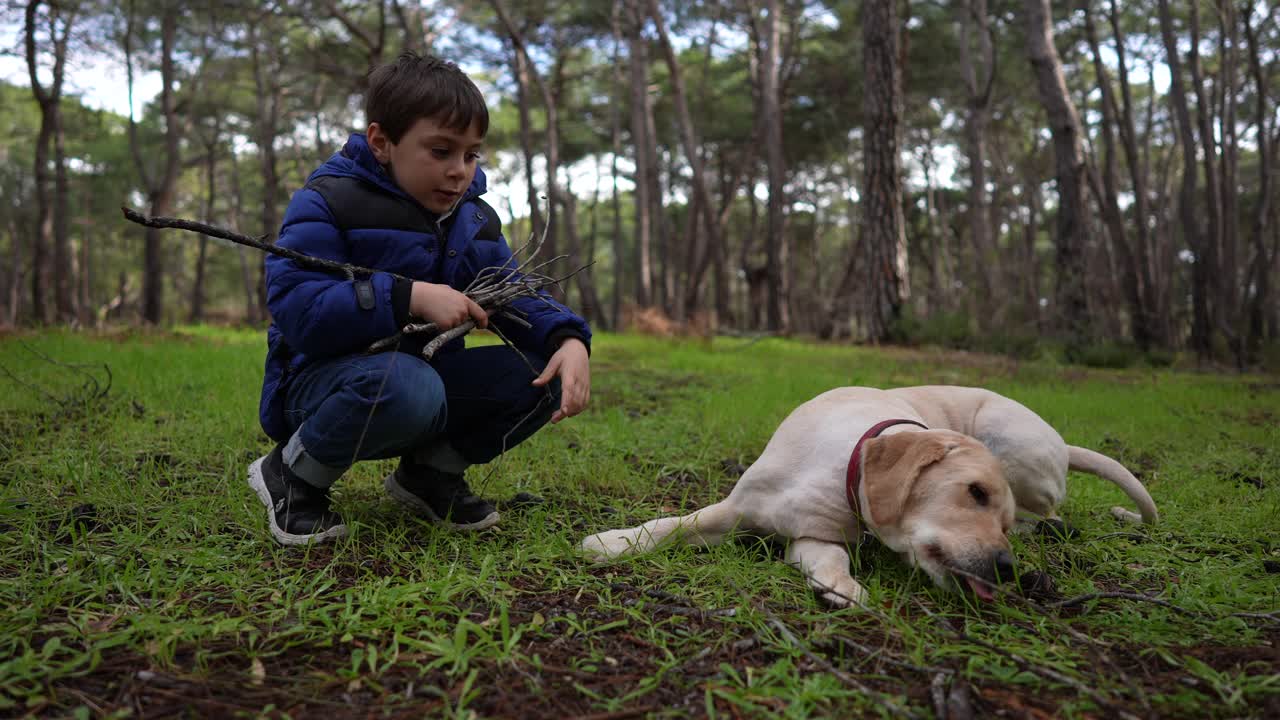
1033, 454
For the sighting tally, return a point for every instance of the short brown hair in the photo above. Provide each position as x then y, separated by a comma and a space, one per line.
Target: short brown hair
417, 86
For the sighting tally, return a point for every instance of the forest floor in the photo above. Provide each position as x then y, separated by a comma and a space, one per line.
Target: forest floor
137, 576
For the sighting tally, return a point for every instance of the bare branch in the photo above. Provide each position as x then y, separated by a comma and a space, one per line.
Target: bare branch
213, 231
494, 288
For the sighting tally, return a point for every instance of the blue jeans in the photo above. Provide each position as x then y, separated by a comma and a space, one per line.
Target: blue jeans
459, 409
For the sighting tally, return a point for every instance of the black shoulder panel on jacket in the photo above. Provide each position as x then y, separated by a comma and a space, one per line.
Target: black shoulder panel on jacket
492, 228
356, 204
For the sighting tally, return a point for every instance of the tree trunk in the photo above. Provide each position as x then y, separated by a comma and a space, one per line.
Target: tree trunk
1232, 284
210, 195
615, 133
521, 71
1071, 314
584, 279
974, 12
638, 63
719, 251
775, 157
419, 35
550, 107
160, 189
1153, 326
266, 78
16, 277
692, 151
1202, 264
252, 309
1213, 188
937, 258
756, 276
50, 273
1030, 262
840, 313
84, 286
589, 300
1132, 279
883, 227
603, 318
42, 264
64, 272
1160, 260
1262, 263
661, 224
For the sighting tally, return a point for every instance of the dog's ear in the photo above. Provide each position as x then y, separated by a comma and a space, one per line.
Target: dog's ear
890, 468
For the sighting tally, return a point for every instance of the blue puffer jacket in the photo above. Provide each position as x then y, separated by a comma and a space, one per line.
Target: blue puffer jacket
352, 211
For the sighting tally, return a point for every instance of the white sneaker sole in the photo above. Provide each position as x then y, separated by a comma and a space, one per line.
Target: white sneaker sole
259, 486
415, 503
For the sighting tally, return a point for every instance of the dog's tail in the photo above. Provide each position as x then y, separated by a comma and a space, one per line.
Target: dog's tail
707, 526
1079, 458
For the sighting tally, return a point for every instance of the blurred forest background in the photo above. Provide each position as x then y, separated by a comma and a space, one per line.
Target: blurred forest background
1093, 178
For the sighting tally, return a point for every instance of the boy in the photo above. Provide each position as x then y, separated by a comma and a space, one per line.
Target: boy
403, 198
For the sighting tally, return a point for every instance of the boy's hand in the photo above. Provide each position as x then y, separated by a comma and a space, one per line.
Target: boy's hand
444, 306
573, 366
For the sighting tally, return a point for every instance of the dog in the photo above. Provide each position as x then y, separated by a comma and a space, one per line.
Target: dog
936, 473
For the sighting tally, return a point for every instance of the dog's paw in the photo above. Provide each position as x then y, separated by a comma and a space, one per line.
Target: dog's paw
844, 595
1124, 515
1057, 529
608, 545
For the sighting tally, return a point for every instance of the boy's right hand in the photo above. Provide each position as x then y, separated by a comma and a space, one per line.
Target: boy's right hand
444, 306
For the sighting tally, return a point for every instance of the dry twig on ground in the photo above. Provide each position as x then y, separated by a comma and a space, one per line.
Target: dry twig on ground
90, 390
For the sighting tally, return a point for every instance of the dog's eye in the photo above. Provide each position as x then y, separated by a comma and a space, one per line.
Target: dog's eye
979, 494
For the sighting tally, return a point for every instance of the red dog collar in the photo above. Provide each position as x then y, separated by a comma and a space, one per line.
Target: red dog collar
853, 478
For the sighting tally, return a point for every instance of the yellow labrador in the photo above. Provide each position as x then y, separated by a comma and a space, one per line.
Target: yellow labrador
905, 465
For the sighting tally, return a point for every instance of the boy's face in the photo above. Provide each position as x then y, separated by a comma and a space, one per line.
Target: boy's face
434, 164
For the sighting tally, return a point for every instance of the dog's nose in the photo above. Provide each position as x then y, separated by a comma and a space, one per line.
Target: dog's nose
1002, 560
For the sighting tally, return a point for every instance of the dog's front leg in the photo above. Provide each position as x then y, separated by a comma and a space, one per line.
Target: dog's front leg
826, 566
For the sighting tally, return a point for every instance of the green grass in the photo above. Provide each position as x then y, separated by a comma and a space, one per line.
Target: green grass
137, 576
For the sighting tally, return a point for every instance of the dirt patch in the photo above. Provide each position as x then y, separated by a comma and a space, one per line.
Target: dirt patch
1142, 463
685, 490
1236, 477
640, 392
580, 655
733, 467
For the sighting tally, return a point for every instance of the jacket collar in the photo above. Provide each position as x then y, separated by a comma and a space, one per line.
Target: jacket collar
356, 160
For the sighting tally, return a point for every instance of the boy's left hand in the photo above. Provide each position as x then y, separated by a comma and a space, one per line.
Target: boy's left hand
573, 366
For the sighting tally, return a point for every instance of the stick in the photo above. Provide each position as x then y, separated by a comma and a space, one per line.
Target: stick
213, 231
1273, 616
493, 289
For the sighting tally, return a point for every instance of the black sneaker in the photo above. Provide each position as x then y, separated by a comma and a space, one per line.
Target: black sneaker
297, 511
443, 497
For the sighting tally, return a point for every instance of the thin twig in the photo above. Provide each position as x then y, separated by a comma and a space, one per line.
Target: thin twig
1034, 668
882, 654
98, 391
445, 337
684, 611
48, 395
1273, 616
1093, 645
791, 638
536, 408
214, 231
880, 698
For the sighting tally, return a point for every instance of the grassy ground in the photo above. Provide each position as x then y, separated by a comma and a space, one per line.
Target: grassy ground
137, 576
